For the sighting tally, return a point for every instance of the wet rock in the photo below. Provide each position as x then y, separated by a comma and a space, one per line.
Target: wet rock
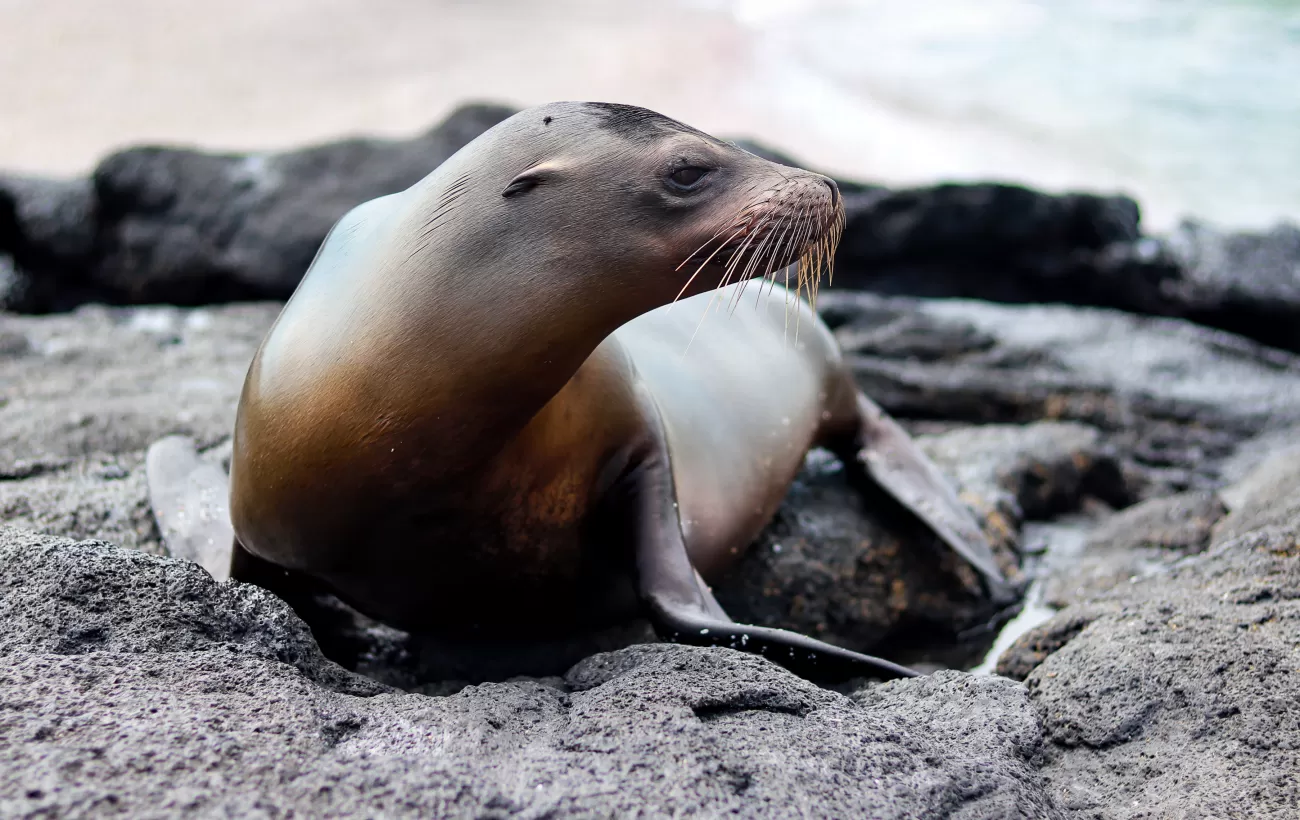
1136, 542
137, 685
1179, 694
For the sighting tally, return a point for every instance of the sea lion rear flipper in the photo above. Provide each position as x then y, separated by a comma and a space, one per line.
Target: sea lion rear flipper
683, 610
191, 504
893, 459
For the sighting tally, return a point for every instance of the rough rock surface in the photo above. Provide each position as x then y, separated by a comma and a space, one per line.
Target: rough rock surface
1171, 694
1179, 695
1175, 399
1136, 542
136, 686
160, 224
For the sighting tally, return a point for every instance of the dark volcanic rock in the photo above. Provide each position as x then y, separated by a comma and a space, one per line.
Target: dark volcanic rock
1179, 695
1008, 228
1012, 244
63, 598
137, 686
47, 234
159, 224
861, 572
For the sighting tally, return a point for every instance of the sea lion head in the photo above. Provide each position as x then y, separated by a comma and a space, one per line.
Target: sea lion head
628, 198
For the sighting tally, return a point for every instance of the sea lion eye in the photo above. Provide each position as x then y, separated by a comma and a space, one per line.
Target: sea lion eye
687, 177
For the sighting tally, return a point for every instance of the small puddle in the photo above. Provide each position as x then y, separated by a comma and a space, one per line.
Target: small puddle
1054, 546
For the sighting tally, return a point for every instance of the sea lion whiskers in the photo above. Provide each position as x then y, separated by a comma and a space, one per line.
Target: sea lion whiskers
802, 232
778, 251
717, 290
753, 256
764, 258
702, 264
740, 252
818, 254
744, 221
759, 255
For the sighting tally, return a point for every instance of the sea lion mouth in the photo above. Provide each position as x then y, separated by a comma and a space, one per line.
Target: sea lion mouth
795, 222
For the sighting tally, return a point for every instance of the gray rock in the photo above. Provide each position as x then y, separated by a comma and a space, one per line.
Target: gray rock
1246, 282
1179, 695
109, 381
1136, 542
1176, 399
74, 598
136, 685
1169, 695
101, 497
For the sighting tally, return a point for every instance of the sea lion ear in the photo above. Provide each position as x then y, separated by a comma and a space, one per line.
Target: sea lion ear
528, 180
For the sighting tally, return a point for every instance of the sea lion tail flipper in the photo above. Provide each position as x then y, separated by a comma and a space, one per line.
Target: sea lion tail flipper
190, 500
892, 458
802, 655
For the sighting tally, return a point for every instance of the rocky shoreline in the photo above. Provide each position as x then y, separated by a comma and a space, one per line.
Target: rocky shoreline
1070, 372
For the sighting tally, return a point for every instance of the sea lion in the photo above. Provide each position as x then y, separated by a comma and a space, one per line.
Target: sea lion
492, 407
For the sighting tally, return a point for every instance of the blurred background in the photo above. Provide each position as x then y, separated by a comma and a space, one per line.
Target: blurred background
1192, 106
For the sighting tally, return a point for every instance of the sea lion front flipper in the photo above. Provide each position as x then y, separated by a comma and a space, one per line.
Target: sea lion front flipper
681, 608
191, 504
892, 458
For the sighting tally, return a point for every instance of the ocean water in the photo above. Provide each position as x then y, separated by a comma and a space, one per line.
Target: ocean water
1194, 105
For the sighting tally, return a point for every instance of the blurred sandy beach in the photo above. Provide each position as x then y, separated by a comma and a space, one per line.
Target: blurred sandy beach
867, 89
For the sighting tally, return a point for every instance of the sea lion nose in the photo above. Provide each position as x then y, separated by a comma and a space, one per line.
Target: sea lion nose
835, 190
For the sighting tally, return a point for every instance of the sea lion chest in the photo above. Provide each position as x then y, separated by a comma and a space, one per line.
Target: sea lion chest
523, 533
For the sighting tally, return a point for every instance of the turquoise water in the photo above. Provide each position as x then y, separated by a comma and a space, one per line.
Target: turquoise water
1193, 103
